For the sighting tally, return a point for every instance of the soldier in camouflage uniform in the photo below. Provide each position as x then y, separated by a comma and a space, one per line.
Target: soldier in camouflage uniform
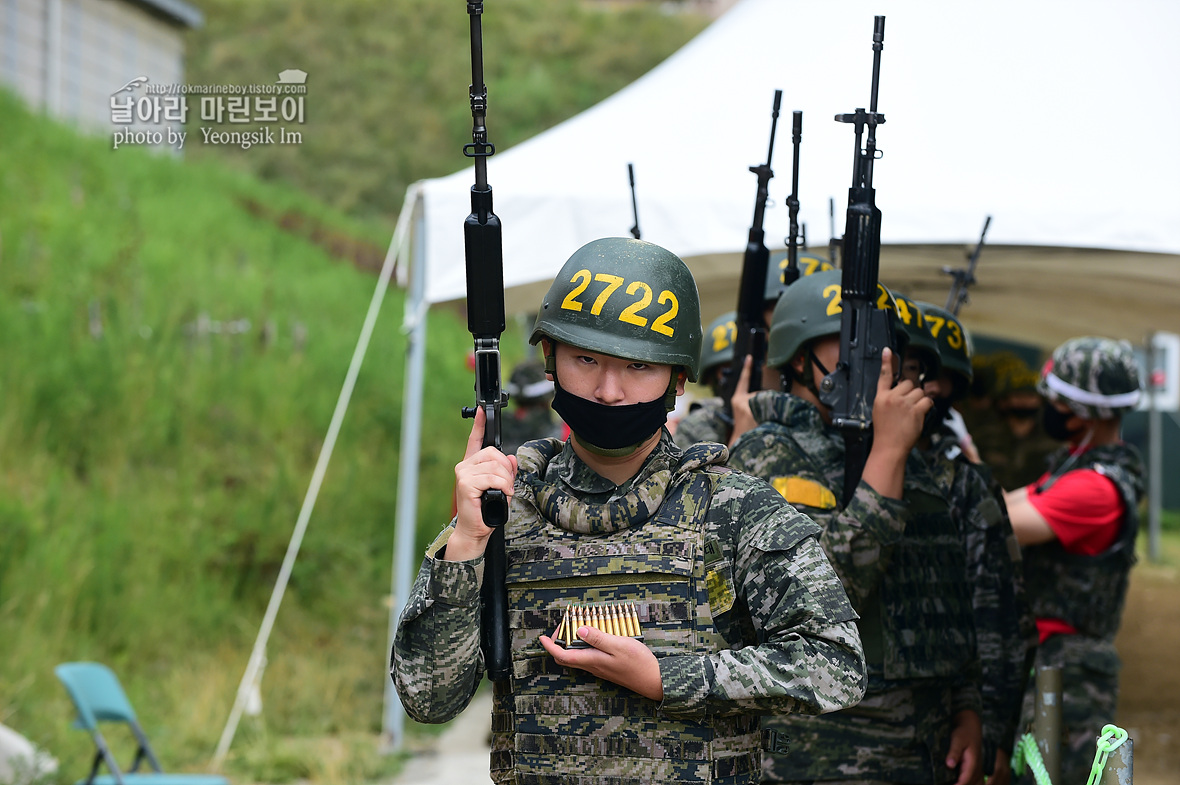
530, 417
740, 611
707, 420
1012, 441
1077, 525
899, 554
1004, 625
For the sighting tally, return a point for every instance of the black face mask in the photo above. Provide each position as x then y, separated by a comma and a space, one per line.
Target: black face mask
609, 430
1054, 423
936, 416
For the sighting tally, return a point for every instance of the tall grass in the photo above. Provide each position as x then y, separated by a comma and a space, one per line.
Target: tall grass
150, 475
387, 81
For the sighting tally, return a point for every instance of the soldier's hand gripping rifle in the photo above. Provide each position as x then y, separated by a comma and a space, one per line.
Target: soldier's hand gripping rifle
791, 274
634, 206
864, 329
750, 338
964, 277
484, 254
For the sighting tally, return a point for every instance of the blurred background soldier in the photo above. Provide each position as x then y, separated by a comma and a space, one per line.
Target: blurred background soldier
1003, 621
530, 415
1077, 524
706, 420
1012, 441
896, 548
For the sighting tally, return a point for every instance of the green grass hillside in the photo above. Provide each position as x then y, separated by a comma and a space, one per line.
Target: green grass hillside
151, 472
387, 81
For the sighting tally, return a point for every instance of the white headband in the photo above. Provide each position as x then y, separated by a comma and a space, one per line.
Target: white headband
1085, 397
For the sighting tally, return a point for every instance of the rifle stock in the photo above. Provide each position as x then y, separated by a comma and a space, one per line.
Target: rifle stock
750, 338
864, 328
484, 257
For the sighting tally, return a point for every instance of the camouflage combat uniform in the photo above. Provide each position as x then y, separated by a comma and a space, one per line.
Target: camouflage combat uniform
1087, 592
1004, 627
921, 656
706, 421
734, 595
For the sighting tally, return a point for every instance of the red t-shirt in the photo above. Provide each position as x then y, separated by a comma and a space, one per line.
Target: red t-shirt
1085, 511
1083, 508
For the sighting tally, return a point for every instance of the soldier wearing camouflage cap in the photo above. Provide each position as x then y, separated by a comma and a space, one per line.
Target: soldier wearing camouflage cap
530, 416
1077, 525
896, 549
1004, 625
739, 610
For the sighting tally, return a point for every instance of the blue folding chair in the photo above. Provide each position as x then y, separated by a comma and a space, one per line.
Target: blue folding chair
98, 697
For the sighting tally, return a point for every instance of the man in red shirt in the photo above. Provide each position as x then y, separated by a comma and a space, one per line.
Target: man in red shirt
1077, 526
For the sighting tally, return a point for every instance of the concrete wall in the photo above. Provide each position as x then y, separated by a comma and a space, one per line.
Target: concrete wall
68, 56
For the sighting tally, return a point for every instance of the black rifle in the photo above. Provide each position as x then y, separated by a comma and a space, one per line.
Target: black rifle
634, 207
964, 277
865, 330
791, 274
750, 338
484, 254
833, 241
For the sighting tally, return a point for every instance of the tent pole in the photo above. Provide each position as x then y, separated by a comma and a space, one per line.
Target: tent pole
414, 325
258, 654
1155, 438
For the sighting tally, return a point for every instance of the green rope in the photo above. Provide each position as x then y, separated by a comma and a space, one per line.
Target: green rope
1111, 739
1026, 752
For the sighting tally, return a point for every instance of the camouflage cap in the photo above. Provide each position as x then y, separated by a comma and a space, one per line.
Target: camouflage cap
528, 382
1096, 377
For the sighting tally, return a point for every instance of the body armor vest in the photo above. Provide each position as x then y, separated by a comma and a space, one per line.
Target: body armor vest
562, 725
920, 623
1088, 592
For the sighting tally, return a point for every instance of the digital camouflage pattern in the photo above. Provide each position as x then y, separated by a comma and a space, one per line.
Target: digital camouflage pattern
1098, 366
1087, 592
706, 421
1004, 627
923, 668
741, 605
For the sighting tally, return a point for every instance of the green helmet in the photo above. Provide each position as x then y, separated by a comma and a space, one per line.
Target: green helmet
1096, 377
809, 264
627, 298
952, 339
718, 342
911, 322
810, 308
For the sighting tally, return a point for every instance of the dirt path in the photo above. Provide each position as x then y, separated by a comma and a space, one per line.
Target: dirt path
1149, 699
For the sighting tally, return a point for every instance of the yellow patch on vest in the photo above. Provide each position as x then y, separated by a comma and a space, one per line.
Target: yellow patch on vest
804, 492
721, 594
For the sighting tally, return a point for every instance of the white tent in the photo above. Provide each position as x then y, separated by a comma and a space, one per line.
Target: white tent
1055, 117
